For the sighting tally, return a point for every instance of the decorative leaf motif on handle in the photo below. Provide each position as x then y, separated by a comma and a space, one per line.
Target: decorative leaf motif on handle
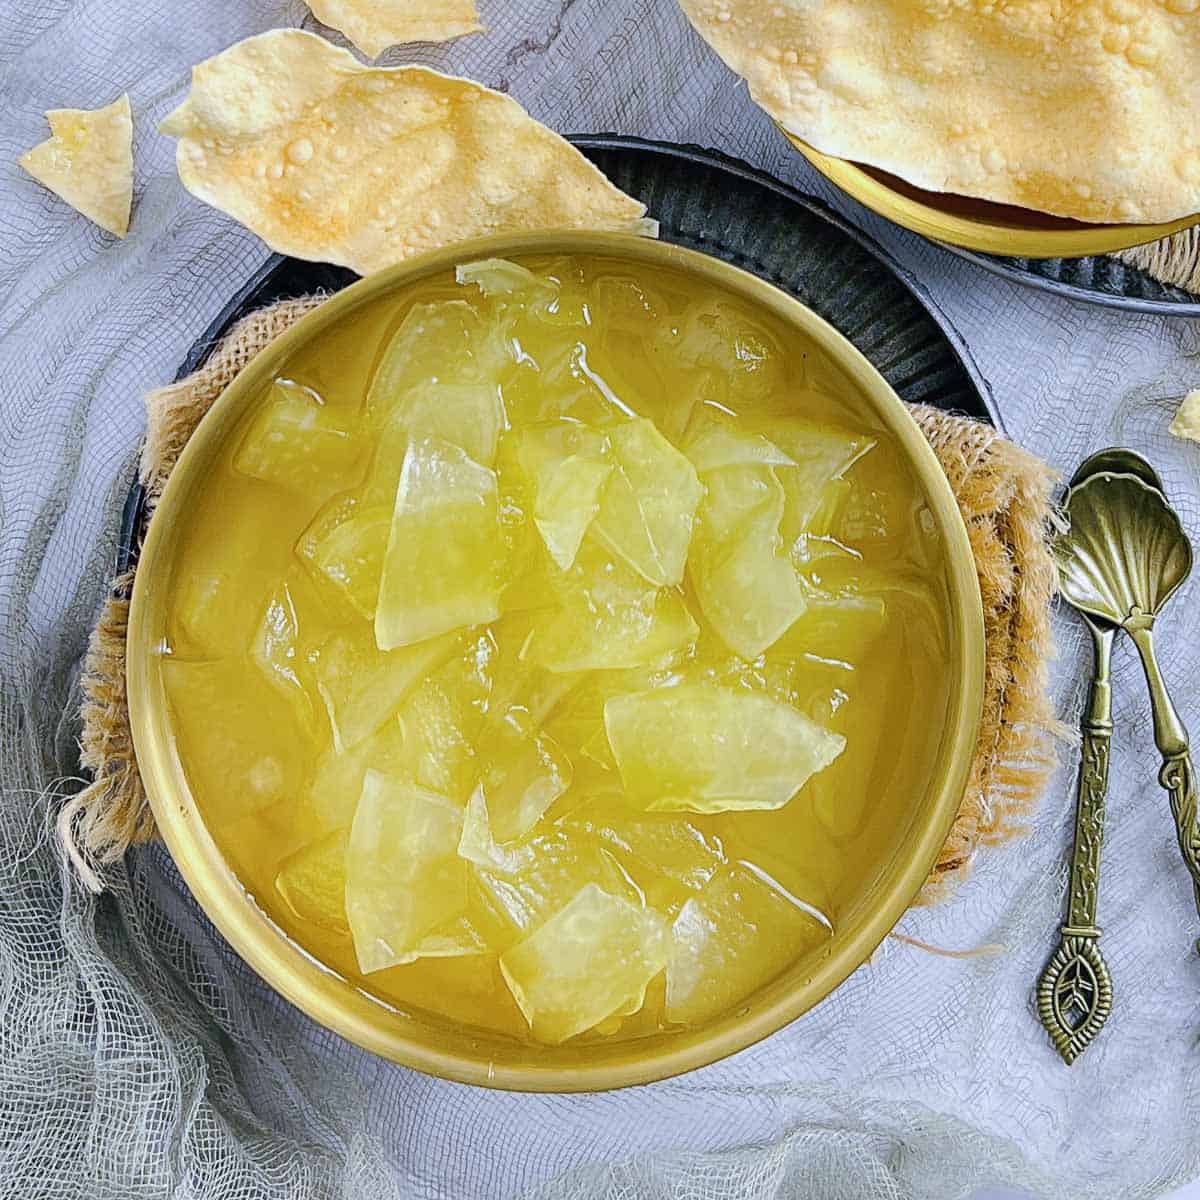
1074, 992
1074, 995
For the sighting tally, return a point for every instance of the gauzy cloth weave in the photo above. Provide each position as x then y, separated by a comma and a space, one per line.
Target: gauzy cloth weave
1002, 492
141, 1058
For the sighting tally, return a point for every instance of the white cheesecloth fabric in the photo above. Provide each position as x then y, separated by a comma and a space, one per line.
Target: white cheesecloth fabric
140, 1058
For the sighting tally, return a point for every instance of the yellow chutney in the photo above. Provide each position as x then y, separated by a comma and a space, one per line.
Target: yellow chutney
559, 649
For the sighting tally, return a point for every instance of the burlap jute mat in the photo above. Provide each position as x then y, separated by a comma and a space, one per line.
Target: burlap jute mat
1004, 495
1174, 260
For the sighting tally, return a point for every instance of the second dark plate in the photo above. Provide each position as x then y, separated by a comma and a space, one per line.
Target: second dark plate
1101, 279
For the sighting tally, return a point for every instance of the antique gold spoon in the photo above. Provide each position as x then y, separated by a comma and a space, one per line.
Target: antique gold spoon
1075, 990
1126, 557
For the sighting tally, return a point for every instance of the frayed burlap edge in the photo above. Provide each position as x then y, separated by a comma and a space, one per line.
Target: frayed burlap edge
112, 813
1174, 260
1004, 495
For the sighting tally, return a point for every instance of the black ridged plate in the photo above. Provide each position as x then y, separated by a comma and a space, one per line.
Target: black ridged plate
722, 207
1099, 279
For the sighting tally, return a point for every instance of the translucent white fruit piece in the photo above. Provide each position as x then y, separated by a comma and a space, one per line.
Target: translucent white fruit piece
626, 306
725, 339
523, 772
443, 342
649, 503
500, 277
813, 551
276, 652
478, 845
343, 548
458, 938
608, 618
579, 721
527, 881
528, 566
745, 583
567, 503
512, 873
296, 441
312, 882
828, 451
442, 569
338, 775
518, 682
239, 741
738, 934
404, 878
737, 496
718, 446
823, 454
568, 308
704, 748
813, 511
362, 687
468, 415
387, 461
749, 594
593, 957
440, 720
623, 348
566, 465
651, 847
568, 386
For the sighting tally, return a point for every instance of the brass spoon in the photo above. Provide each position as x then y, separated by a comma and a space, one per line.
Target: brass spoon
1129, 555
1074, 993
1075, 990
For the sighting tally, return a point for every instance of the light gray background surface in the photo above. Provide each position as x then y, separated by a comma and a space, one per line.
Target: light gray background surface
142, 1054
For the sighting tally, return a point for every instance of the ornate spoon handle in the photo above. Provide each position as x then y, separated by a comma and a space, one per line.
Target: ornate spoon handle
1177, 776
1074, 994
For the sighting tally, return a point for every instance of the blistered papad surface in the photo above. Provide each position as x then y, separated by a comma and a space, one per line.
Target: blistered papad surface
374, 25
1085, 110
88, 161
330, 160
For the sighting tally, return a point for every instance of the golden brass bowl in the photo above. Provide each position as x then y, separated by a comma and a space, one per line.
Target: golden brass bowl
431, 1043
1004, 229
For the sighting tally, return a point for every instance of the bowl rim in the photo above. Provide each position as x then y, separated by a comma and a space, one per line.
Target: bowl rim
335, 1002
1006, 238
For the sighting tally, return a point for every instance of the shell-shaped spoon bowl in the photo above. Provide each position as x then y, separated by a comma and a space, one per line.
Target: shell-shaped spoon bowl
1126, 553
